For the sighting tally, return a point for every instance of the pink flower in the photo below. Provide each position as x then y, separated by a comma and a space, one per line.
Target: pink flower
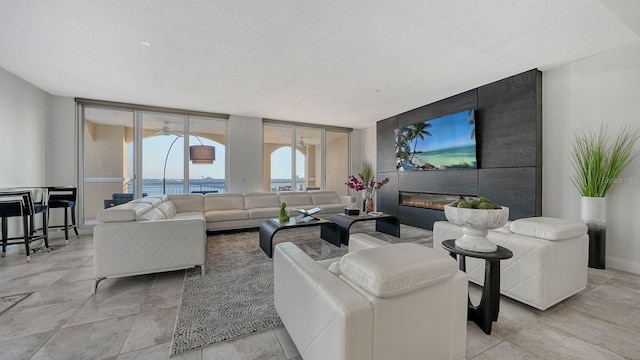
359, 184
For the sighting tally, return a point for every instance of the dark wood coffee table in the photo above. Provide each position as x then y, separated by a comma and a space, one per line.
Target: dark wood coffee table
269, 228
385, 223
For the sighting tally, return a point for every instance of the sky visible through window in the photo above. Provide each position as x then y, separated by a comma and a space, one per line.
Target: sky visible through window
155, 150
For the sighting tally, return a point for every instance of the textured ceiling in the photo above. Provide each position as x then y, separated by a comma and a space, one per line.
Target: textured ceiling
344, 63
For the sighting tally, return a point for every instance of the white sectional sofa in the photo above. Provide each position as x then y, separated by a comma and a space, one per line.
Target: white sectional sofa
168, 232
237, 211
549, 260
378, 302
148, 235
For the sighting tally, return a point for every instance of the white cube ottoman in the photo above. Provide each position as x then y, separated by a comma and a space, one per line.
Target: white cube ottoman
549, 260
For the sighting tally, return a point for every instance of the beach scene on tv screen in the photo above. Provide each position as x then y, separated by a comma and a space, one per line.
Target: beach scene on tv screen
447, 142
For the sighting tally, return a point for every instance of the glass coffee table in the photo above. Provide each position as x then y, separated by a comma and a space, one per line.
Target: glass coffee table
385, 223
269, 228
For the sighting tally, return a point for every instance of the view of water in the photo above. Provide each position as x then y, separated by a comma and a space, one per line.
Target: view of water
455, 157
154, 187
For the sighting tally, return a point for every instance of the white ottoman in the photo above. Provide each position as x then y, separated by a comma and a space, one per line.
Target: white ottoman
549, 260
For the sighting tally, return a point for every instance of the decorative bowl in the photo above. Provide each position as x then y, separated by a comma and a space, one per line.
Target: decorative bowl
475, 224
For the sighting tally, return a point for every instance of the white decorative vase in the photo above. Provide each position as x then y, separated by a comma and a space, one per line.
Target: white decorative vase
475, 224
593, 213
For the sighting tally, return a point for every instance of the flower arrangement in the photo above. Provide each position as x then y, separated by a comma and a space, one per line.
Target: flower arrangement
368, 187
365, 181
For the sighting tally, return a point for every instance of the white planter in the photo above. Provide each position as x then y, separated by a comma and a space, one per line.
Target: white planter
593, 213
475, 224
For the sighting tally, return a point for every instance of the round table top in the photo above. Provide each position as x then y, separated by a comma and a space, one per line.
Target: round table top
501, 253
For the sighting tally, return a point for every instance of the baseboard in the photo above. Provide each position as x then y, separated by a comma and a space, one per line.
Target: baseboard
622, 265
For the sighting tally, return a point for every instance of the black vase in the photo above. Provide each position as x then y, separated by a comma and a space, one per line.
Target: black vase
593, 213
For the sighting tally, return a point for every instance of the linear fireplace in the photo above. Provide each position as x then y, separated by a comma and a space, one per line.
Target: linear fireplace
430, 200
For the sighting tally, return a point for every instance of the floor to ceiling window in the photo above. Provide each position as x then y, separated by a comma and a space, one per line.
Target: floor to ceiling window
300, 158
107, 160
145, 151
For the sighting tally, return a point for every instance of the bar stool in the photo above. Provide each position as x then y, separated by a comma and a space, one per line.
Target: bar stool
20, 203
64, 197
39, 197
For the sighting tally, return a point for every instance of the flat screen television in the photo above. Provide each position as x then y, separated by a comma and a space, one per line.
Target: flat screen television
444, 143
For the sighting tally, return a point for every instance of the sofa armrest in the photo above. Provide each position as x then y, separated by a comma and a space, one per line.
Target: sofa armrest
140, 247
364, 241
345, 200
326, 318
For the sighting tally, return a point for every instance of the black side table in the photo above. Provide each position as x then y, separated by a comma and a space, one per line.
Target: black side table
487, 311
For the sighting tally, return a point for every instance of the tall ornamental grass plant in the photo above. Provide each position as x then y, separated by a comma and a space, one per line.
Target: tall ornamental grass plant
598, 160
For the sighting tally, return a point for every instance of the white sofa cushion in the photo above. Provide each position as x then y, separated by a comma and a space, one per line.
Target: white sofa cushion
324, 197
189, 215
548, 228
188, 202
153, 201
334, 268
223, 202
153, 215
261, 200
169, 209
225, 215
163, 197
396, 269
125, 212
264, 212
331, 208
299, 199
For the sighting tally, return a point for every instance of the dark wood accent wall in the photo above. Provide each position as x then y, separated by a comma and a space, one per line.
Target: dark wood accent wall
509, 149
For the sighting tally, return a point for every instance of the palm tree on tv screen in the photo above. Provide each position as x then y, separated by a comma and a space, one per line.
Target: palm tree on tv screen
403, 147
472, 121
417, 132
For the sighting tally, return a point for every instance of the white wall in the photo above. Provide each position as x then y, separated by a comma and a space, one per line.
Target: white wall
61, 144
23, 115
601, 89
363, 147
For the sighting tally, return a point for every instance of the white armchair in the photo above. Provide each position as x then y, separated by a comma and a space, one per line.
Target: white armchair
549, 261
401, 301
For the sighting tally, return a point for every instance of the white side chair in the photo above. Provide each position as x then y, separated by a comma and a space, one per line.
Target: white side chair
549, 261
401, 301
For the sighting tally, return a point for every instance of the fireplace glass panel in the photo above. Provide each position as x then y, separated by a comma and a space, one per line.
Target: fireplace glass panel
430, 200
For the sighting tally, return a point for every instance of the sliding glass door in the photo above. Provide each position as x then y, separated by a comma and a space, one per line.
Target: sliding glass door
163, 154
129, 153
107, 161
298, 158
207, 177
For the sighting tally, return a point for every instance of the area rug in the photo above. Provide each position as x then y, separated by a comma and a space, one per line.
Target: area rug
235, 297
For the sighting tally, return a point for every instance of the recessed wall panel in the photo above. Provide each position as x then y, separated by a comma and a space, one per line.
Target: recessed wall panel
387, 196
386, 154
509, 119
462, 182
512, 187
509, 149
464, 101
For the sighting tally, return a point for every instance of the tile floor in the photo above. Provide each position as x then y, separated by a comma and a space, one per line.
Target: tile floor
133, 318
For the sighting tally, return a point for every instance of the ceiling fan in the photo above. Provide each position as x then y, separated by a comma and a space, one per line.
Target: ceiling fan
301, 143
165, 130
